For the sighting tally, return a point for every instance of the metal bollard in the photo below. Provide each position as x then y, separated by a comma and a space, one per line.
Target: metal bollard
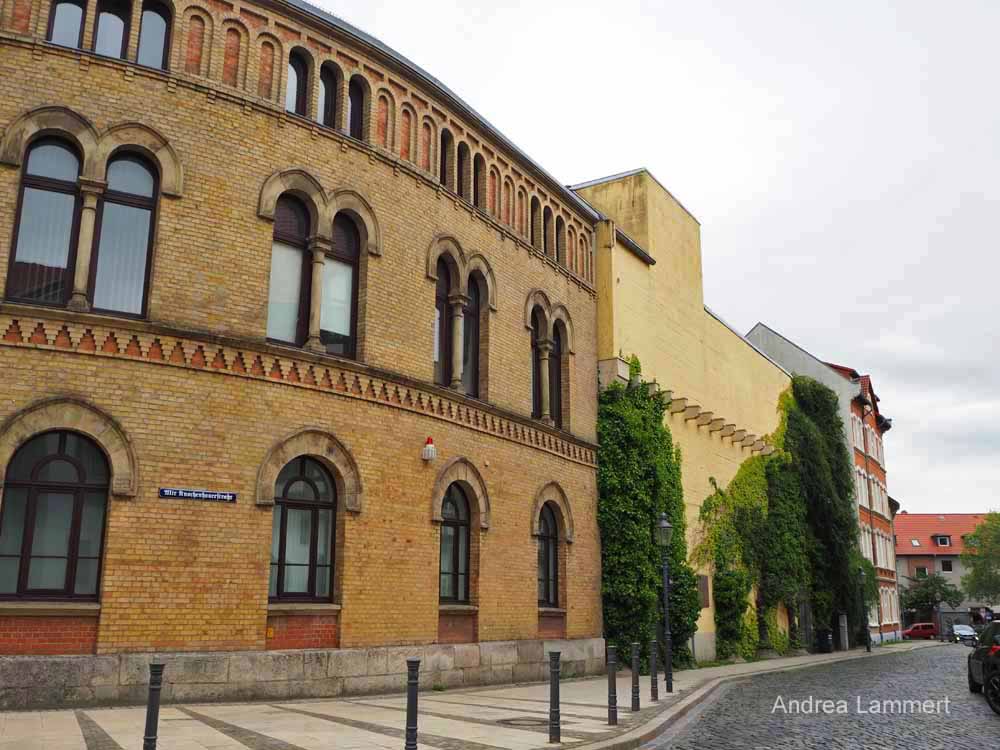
412, 680
153, 705
612, 687
635, 676
654, 689
554, 720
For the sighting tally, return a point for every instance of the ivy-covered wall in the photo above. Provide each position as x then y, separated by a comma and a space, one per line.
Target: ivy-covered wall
783, 532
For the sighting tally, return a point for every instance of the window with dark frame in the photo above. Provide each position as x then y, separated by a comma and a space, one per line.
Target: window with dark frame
338, 310
455, 554
66, 23
52, 519
471, 342
297, 84
464, 175
442, 325
555, 376
921, 572
123, 237
356, 115
45, 233
302, 533
946, 566
154, 35
291, 273
326, 110
537, 336
112, 26
548, 558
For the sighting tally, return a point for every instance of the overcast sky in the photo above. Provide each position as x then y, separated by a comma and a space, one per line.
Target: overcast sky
841, 157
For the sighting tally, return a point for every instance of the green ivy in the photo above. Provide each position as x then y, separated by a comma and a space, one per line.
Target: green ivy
749, 640
638, 478
778, 638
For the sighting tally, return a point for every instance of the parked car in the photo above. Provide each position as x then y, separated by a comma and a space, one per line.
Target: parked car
984, 666
964, 634
921, 630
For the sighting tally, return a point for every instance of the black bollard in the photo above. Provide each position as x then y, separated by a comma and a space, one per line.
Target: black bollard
153, 705
554, 721
635, 676
612, 687
654, 689
412, 680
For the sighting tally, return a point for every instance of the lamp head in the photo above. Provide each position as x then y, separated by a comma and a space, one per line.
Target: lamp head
664, 531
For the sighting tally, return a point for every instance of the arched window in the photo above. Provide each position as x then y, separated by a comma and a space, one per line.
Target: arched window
302, 533
471, 342
45, 233
288, 296
52, 519
454, 568
464, 171
537, 337
406, 135
231, 57
196, 48
154, 36
111, 34
507, 189
560, 241
426, 136
442, 325
479, 182
356, 115
536, 223
547, 231
548, 558
66, 23
297, 85
555, 376
445, 175
329, 85
125, 241
338, 314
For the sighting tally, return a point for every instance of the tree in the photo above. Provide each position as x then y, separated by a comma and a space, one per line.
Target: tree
925, 592
982, 560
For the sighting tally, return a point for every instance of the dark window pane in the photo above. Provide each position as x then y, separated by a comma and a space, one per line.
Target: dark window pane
324, 535
300, 490
296, 579
463, 550
53, 519
9, 567
66, 24
448, 549
12, 512
110, 33
321, 478
292, 87
86, 578
120, 281
276, 535
447, 586
288, 472
130, 176
356, 109
95, 466
59, 471
92, 524
43, 244
470, 343
323, 581
272, 581
448, 510
31, 453
462, 592
298, 534
152, 39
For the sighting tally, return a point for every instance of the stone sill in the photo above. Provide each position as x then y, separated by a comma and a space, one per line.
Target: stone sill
50, 609
458, 609
302, 608
551, 612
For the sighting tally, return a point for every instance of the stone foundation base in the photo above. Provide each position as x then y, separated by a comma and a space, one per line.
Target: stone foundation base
37, 682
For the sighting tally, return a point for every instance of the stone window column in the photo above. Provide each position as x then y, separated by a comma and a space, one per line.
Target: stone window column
544, 350
458, 303
318, 248
90, 191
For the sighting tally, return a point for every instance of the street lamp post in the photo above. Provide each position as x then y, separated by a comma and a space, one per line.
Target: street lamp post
663, 533
864, 612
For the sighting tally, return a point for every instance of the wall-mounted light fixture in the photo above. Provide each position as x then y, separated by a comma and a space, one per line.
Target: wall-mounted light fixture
430, 451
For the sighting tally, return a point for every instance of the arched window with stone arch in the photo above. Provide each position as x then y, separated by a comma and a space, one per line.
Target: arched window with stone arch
442, 324
46, 225
464, 164
303, 533
52, 519
548, 557
338, 313
154, 35
111, 28
475, 327
288, 295
328, 106
456, 546
297, 83
538, 342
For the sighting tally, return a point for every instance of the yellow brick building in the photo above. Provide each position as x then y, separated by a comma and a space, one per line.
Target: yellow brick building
651, 304
436, 284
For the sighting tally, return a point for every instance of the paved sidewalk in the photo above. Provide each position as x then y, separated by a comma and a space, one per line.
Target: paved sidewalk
513, 717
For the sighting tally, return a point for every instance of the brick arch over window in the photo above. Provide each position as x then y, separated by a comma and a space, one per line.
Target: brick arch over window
56, 120
447, 247
302, 184
385, 120
197, 41
559, 314
325, 448
552, 492
235, 49
359, 209
144, 138
478, 264
463, 471
270, 52
77, 416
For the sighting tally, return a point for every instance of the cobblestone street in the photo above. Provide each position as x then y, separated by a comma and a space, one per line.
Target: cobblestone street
744, 716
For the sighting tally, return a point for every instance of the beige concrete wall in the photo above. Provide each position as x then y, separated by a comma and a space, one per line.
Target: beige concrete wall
657, 312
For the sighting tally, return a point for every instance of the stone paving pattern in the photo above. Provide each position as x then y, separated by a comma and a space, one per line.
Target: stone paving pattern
742, 717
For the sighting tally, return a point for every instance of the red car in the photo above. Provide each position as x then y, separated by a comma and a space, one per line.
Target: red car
921, 630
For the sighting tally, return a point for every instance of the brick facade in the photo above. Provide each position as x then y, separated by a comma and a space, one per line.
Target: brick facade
193, 395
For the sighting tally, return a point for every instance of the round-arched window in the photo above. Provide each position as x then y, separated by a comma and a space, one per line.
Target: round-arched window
548, 558
454, 567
